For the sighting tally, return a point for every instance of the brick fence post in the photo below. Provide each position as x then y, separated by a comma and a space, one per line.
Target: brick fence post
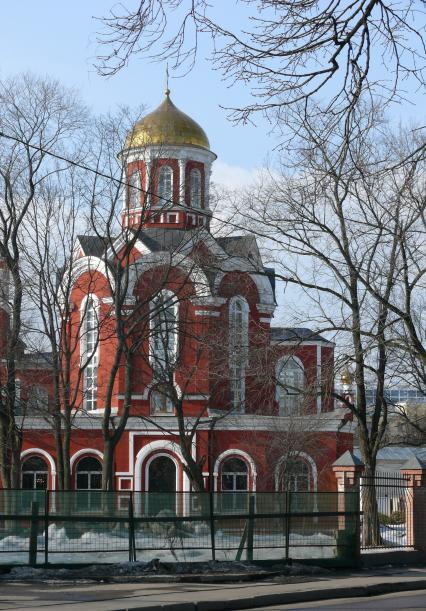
348, 470
414, 470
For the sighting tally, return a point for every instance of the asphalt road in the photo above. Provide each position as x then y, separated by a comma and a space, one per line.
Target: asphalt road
401, 602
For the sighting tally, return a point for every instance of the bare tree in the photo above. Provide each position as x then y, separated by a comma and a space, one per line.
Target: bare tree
48, 241
36, 116
332, 228
285, 51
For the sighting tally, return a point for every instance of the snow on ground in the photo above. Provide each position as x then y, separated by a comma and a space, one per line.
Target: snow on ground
126, 570
394, 535
112, 546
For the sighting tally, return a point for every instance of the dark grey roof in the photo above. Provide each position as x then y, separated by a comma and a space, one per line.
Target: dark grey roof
398, 453
292, 334
348, 459
159, 240
240, 246
414, 463
93, 245
270, 273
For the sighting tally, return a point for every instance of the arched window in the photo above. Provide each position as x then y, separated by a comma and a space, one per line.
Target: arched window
90, 350
238, 346
89, 474
290, 376
164, 332
234, 475
135, 189
35, 474
195, 188
165, 185
294, 475
161, 402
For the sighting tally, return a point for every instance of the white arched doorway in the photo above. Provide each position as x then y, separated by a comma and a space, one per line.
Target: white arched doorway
155, 449
161, 473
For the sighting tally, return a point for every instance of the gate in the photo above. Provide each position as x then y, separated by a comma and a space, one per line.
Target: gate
393, 498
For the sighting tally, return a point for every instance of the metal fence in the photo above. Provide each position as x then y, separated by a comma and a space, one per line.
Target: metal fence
393, 494
96, 526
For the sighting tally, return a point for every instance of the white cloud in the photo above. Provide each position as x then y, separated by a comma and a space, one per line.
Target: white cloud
233, 176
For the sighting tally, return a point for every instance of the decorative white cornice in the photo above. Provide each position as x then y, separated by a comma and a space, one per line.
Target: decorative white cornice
325, 422
153, 152
265, 308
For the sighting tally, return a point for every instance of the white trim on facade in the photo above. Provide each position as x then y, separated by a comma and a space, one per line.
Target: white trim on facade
328, 422
206, 313
155, 447
85, 452
319, 379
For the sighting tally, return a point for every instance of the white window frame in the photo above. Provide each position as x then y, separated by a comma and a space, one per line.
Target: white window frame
89, 361
168, 404
234, 475
238, 351
288, 397
35, 474
195, 188
89, 474
164, 190
163, 361
134, 193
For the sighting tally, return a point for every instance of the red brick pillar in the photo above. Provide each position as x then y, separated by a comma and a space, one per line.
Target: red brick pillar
348, 470
415, 503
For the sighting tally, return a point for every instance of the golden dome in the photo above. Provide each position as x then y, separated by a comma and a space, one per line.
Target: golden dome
346, 378
167, 125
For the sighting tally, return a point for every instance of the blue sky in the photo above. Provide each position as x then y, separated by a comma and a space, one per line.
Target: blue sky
59, 38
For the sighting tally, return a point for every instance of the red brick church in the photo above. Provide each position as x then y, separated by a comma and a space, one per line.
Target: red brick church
258, 397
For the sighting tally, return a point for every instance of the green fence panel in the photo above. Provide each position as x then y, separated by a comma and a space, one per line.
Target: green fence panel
98, 526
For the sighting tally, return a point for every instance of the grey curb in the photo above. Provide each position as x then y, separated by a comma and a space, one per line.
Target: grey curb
287, 597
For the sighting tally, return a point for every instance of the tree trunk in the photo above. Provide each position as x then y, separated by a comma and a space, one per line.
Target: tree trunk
370, 521
108, 464
66, 455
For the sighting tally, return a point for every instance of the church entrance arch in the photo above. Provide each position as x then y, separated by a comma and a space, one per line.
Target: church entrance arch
162, 474
161, 481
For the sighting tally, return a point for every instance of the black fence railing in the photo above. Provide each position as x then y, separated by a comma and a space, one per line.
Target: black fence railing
393, 494
96, 526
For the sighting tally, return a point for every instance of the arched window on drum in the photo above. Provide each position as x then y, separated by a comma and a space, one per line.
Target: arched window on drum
195, 188
134, 193
165, 185
35, 474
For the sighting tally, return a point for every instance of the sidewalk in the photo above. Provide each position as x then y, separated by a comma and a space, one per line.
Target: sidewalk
203, 597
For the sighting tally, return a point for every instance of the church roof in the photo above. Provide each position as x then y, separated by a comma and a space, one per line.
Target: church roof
92, 245
292, 334
158, 239
240, 246
167, 125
